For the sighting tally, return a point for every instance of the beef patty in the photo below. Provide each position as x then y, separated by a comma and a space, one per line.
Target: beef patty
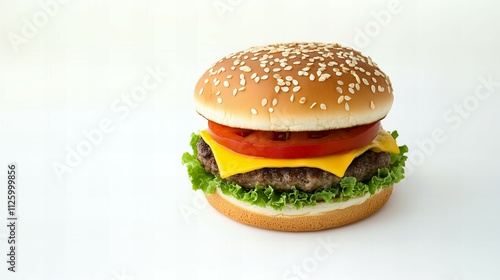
304, 178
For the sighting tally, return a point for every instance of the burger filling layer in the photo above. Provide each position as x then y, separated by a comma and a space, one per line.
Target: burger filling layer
316, 183
307, 179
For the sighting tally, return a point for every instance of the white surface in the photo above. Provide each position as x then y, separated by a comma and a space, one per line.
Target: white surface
117, 214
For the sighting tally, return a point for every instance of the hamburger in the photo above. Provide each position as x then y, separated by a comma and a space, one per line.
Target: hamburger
294, 140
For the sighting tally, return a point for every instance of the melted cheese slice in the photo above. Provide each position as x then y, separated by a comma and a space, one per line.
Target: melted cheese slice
231, 163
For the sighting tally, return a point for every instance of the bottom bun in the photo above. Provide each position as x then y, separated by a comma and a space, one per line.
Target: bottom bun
310, 218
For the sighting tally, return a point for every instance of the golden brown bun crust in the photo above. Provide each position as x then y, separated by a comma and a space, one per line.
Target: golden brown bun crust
324, 220
294, 87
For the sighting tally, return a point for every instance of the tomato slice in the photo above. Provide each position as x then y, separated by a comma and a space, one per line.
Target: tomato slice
289, 145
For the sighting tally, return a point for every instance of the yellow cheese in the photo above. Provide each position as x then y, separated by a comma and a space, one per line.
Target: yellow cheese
231, 163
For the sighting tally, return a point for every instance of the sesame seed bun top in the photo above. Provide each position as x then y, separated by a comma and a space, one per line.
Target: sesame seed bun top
294, 87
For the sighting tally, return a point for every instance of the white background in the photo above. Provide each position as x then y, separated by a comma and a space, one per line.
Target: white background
125, 210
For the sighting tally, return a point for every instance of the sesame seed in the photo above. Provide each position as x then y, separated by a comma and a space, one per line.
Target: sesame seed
295, 89
275, 102
351, 90
264, 77
229, 76
339, 90
257, 79
289, 78
322, 106
296, 62
263, 102
235, 91
236, 62
373, 88
277, 69
365, 81
245, 68
340, 82
312, 105
302, 100
216, 82
323, 77
288, 68
292, 97
277, 89
271, 109
311, 77
277, 76
226, 83
201, 91
219, 100
206, 81
253, 111
218, 92
253, 76
372, 105
346, 106
285, 89
241, 89
338, 73
243, 82
358, 81
347, 98
341, 99
295, 82
374, 80
381, 88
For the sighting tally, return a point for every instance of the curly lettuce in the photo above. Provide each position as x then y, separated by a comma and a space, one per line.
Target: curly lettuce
264, 196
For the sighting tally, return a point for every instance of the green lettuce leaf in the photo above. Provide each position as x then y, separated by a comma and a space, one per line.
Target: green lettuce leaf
266, 196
